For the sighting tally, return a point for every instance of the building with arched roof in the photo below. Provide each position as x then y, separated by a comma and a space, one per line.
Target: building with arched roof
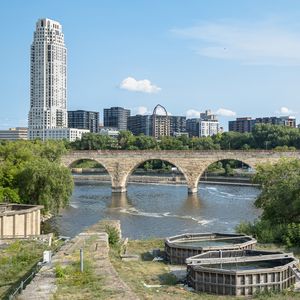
160, 122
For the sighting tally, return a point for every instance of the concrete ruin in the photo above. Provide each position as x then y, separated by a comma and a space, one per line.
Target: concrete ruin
19, 220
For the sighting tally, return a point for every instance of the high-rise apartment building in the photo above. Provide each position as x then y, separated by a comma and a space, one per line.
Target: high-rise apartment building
140, 124
284, 121
206, 125
246, 124
116, 117
208, 116
177, 125
84, 120
160, 122
241, 125
48, 79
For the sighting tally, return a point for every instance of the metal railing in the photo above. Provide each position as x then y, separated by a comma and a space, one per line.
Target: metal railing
25, 281
17, 289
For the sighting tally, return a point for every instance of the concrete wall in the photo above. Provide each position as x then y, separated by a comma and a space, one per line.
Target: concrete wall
244, 283
20, 223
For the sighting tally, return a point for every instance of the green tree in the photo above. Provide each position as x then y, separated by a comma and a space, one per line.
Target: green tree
126, 140
235, 140
280, 196
280, 204
45, 183
8, 194
30, 172
144, 142
270, 136
228, 170
94, 141
203, 143
170, 143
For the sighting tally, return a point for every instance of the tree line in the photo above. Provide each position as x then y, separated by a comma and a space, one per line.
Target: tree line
263, 136
31, 173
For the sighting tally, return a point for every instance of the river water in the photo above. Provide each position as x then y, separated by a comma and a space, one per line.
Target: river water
149, 210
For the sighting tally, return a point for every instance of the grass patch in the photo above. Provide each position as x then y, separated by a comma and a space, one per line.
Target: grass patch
89, 284
16, 260
71, 281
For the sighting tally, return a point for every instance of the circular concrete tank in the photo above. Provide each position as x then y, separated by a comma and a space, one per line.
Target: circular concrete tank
244, 272
178, 248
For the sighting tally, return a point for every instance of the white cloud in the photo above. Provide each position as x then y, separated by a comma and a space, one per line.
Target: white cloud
285, 110
265, 43
144, 85
225, 112
141, 110
192, 113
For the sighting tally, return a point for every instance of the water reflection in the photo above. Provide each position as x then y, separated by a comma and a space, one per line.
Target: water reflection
192, 203
120, 200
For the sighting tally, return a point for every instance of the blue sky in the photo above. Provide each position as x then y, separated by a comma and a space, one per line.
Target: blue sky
238, 58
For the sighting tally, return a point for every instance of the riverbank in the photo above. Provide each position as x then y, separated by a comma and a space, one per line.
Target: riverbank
177, 180
107, 275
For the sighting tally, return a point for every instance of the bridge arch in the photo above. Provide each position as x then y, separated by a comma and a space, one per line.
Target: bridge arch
71, 163
206, 165
142, 161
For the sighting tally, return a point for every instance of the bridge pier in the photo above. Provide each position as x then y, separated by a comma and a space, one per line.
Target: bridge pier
118, 189
192, 190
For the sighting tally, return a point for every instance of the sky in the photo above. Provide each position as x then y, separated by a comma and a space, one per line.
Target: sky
237, 58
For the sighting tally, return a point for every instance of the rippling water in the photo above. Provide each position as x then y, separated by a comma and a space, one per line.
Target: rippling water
158, 210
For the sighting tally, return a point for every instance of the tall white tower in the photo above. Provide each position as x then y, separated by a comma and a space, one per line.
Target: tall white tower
48, 79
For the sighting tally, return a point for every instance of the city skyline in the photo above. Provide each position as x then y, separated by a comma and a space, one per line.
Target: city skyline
198, 57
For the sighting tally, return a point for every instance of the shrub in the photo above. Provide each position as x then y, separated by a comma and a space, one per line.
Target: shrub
60, 272
113, 235
267, 232
292, 235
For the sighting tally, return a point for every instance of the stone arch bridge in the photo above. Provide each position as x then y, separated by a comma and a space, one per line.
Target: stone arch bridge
120, 164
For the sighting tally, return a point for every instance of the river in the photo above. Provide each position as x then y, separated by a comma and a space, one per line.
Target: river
149, 210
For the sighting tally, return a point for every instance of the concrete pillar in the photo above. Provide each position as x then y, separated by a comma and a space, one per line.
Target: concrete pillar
118, 189
25, 225
192, 190
39, 222
2, 227
192, 179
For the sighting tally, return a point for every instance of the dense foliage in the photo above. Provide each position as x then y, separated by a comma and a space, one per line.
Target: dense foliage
263, 136
280, 203
31, 173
